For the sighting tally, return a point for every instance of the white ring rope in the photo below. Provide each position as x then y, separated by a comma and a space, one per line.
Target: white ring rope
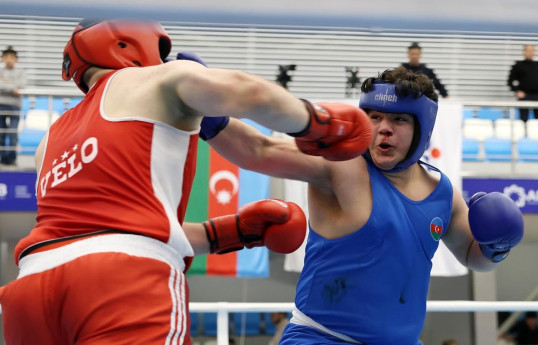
224, 308
431, 306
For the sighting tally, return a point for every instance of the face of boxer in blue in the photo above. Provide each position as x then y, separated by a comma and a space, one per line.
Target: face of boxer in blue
384, 99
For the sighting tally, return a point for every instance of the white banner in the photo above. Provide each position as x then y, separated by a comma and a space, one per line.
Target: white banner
296, 191
444, 153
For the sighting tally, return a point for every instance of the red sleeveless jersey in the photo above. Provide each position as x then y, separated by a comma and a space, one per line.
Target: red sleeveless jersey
128, 174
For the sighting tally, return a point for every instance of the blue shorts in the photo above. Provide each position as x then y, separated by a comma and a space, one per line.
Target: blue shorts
303, 335
298, 335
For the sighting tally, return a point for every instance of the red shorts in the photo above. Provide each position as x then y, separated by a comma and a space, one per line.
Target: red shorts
113, 289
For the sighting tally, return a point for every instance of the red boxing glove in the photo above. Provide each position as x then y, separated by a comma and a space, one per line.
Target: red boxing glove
336, 131
279, 225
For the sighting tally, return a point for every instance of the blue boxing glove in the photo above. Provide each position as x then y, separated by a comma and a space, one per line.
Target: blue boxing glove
186, 55
210, 126
496, 223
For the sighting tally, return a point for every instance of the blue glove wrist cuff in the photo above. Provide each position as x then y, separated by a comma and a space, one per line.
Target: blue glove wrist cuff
494, 254
211, 126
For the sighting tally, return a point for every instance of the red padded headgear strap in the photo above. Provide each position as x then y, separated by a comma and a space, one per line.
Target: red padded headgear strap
114, 44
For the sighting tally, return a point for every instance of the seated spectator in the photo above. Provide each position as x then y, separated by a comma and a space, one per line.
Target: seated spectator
450, 342
524, 332
280, 320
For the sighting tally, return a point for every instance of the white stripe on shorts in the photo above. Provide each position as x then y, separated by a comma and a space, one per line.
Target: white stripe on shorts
183, 314
178, 318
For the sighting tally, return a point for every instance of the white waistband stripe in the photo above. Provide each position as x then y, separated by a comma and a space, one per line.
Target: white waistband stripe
135, 245
299, 318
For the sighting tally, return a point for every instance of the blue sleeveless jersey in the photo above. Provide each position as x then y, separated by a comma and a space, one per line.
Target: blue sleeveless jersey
372, 285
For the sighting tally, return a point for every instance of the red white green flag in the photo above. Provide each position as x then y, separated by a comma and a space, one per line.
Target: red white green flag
220, 188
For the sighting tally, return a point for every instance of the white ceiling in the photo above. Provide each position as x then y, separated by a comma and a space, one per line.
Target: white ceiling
483, 15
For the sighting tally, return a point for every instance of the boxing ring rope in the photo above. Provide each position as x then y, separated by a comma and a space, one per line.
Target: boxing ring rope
224, 308
431, 306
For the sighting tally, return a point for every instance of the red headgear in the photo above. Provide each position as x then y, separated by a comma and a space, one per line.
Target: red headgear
113, 44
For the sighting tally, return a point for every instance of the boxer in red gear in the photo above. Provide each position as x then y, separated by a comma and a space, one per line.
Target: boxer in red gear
105, 263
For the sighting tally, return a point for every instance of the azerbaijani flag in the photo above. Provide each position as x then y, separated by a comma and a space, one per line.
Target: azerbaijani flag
436, 228
220, 188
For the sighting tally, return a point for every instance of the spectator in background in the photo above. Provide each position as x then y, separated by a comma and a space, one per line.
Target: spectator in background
280, 320
523, 80
525, 331
450, 342
12, 80
414, 53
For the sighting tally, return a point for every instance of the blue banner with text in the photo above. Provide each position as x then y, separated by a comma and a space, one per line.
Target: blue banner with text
524, 192
17, 191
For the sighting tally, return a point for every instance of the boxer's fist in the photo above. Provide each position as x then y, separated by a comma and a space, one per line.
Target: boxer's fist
496, 223
287, 237
336, 131
279, 225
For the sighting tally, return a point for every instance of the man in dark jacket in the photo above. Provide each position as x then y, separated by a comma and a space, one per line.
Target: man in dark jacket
414, 53
523, 80
12, 81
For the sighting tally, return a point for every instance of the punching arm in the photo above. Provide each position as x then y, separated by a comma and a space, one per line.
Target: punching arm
335, 131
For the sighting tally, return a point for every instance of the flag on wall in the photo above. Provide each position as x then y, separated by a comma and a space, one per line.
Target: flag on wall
220, 188
444, 153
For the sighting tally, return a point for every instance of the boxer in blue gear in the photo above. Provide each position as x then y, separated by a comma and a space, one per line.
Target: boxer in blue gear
376, 220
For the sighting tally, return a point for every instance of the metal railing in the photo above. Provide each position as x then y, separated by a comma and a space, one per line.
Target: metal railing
48, 115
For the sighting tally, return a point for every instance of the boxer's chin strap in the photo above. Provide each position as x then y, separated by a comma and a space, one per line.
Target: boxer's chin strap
368, 157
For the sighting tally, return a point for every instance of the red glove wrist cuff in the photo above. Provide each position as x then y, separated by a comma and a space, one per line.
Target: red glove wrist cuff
223, 234
311, 114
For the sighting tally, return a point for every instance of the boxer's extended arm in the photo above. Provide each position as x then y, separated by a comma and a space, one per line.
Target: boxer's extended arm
279, 225
243, 145
335, 131
214, 92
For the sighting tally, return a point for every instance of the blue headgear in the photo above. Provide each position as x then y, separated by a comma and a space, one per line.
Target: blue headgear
383, 98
